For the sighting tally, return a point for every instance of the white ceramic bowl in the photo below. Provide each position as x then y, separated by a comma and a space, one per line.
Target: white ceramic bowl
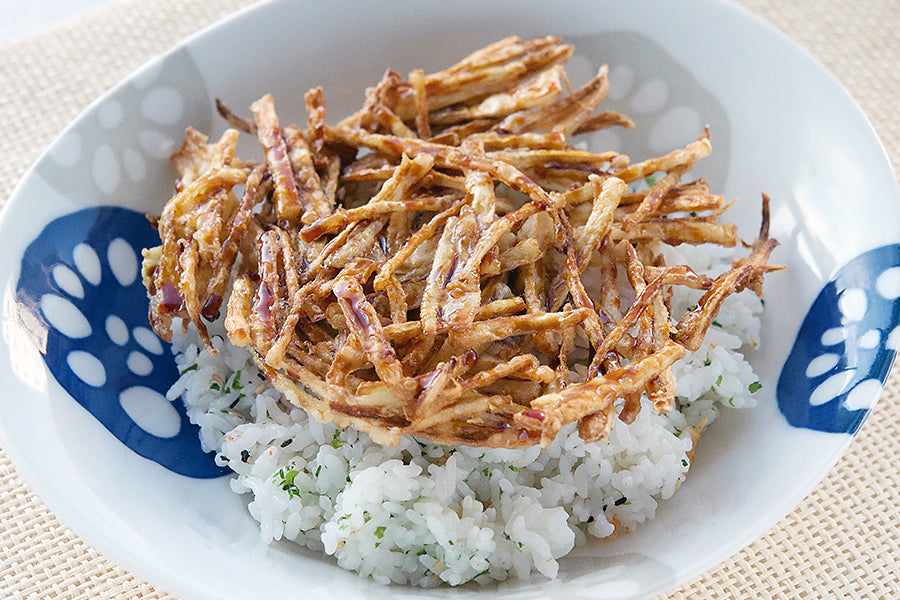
790, 130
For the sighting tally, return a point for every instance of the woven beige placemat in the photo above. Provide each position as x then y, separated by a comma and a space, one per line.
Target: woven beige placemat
843, 541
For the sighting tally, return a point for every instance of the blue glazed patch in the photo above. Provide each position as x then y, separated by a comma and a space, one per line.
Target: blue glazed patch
845, 347
81, 295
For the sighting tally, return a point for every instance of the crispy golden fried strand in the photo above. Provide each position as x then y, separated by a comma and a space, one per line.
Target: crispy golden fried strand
445, 262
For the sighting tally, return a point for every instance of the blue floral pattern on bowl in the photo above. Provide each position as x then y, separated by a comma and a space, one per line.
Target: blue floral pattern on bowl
80, 285
845, 347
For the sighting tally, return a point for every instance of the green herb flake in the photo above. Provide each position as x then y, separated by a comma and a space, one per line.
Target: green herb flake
719, 380
731, 401
677, 432
755, 387
190, 368
336, 441
513, 468
318, 470
707, 362
215, 386
486, 472
684, 462
379, 531
650, 180
717, 324
285, 478
236, 382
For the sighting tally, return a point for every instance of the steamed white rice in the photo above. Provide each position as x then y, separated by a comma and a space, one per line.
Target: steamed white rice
423, 514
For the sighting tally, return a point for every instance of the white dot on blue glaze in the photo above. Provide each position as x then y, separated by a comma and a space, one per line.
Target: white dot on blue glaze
676, 127
163, 105
870, 339
821, 364
888, 283
64, 316
831, 387
117, 330
650, 97
105, 169
893, 340
134, 164
151, 411
621, 78
863, 395
147, 340
122, 261
853, 304
833, 336
87, 367
109, 114
87, 263
68, 281
139, 364
155, 143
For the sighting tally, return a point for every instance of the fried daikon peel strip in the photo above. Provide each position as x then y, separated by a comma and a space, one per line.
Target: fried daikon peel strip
394, 196
488, 77
268, 130
566, 114
193, 227
551, 411
604, 120
525, 96
745, 273
438, 262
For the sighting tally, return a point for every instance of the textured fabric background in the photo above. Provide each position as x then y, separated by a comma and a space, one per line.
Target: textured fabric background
842, 541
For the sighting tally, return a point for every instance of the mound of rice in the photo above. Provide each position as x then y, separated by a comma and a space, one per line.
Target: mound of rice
423, 514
